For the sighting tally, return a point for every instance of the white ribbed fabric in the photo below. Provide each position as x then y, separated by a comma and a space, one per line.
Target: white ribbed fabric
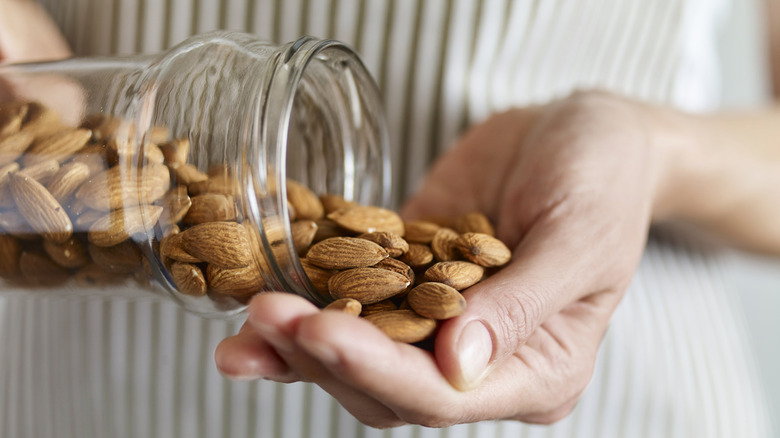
675, 362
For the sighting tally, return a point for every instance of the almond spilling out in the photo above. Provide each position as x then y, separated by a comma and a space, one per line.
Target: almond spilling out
367, 219
457, 274
97, 205
367, 285
345, 253
436, 300
483, 249
403, 325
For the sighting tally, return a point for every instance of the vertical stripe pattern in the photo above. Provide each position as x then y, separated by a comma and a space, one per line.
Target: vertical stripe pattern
674, 362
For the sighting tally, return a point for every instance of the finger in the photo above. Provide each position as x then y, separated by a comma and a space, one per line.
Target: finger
276, 317
549, 271
27, 33
246, 356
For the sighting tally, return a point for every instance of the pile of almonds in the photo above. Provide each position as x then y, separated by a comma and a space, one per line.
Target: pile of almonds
403, 276
82, 203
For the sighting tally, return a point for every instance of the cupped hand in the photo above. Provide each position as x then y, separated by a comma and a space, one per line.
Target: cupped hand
572, 188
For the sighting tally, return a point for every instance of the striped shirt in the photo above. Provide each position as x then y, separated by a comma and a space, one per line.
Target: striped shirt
675, 361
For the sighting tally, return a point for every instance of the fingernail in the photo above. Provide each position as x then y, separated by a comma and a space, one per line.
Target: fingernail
475, 348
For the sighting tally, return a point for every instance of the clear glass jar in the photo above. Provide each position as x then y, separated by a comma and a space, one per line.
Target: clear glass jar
221, 113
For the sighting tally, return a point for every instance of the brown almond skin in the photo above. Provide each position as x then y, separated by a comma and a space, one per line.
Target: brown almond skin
473, 222
332, 202
397, 266
176, 150
345, 253
172, 247
394, 244
210, 207
420, 231
418, 256
188, 174
39, 270
326, 229
118, 225
483, 249
403, 325
93, 275
176, 204
457, 274
225, 244
443, 245
58, 146
70, 254
10, 250
381, 306
14, 145
367, 285
367, 219
189, 279
436, 300
349, 306
239, 283
303, 232
318, 277
306, 203
123, 258
67, 180
39, 208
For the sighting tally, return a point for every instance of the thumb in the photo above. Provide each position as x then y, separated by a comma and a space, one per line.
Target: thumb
27, 33
545, 275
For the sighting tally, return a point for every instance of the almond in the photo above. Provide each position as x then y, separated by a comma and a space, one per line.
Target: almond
176, 151
420, 231
39, 208
473, 222
394, 244
326, 229
437, 301
14, 145
306, 203
6, 200
59, 146
303, 233
10, 250
38, 270
458, 275
367, 285
172, 247
418, 256
11, 117
84, 221
398, 266
118, 187
380, 306
69, 254
332, 202
95, 157
210, 207
187, 174
67, 180
367, 219
41, 120
93, 275
350, 306
123, 258
224, 184
318, 277
188, 279
241, 282
42, 171
224, 244
443, 245
403, 325
176, 204
483, 249
345, 252
118, 225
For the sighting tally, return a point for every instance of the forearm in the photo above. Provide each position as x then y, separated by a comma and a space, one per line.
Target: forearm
722, 172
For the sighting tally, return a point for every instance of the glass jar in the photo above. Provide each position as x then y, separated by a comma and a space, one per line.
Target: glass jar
101, 160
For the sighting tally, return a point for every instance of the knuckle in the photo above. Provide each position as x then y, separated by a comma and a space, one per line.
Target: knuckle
519, 313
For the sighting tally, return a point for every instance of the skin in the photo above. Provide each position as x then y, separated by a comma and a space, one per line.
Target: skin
573, 187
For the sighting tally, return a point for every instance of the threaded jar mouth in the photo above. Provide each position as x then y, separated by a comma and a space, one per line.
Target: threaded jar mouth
322, 125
